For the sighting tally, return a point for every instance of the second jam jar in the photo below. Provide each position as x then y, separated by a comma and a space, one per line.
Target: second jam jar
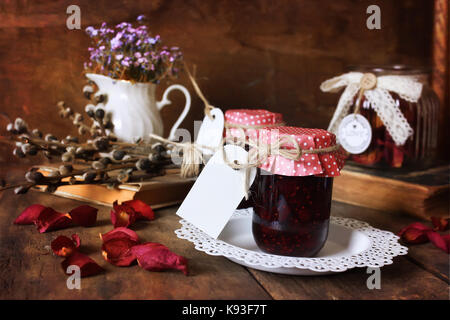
292, 198
244, 124
420, 149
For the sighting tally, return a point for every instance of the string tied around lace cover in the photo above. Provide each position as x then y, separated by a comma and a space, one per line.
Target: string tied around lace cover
378, 94
229, 125
368, 82
260, 152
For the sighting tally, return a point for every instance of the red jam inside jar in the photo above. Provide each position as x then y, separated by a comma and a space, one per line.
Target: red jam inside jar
291, 213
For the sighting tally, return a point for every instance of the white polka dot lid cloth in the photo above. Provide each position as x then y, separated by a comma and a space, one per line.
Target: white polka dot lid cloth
327, 164
251, 117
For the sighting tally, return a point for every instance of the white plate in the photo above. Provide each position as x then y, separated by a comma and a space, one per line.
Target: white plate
351, 243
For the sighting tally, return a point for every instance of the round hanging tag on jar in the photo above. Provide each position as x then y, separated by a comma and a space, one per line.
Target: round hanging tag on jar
354, 133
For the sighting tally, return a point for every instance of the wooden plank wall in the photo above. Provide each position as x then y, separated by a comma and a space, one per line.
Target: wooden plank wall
256, 53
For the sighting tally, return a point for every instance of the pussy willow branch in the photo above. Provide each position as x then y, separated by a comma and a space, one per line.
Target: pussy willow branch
57, 180
101, 155
63, 109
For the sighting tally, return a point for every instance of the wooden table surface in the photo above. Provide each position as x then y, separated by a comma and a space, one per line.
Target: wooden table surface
29, 271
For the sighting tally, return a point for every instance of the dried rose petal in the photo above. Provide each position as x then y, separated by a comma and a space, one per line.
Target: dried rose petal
442, 242
157, 257
120, 232
118, 252
414, 233
415, 236
143, 210
30, 214
122, 215
88, 267
50, 219
85, 215
440, 224
64, 246
415, 225
117, 244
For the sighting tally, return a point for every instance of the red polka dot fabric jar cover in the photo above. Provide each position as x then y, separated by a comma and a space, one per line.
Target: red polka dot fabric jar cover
327, 164
250, 120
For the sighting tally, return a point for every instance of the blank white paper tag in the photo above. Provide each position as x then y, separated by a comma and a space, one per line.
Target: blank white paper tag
211, 131
217, 192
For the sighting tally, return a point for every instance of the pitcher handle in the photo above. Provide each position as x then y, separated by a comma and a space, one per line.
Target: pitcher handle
165, 101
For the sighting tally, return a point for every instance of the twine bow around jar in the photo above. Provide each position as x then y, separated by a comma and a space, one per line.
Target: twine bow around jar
376, 90
259, 152
285, 146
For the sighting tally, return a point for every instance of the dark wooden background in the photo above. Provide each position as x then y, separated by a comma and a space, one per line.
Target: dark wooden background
271, 54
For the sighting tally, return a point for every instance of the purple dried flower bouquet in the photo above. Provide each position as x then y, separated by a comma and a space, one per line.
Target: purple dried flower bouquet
129, 52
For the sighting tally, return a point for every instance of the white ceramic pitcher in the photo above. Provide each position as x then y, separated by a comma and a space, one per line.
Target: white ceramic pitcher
135, 111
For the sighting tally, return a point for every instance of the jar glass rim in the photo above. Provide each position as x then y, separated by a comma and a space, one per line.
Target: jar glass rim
394, 69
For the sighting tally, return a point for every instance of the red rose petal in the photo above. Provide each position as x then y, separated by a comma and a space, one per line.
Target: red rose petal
440, 224
415, 225
118, 252
120, 233
414, 233
49, 220
122, 215
415, 236
117, 244
30, 214
143, 210
88, 267
85, 215
157, 257
442, 242
63, 246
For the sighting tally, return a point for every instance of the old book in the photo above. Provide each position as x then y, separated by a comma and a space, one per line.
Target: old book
420, 193
158, 192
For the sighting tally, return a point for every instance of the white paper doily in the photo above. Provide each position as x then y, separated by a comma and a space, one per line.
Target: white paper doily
351, 243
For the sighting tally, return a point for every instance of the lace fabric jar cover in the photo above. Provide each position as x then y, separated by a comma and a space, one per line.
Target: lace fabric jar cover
292, 198
402, 94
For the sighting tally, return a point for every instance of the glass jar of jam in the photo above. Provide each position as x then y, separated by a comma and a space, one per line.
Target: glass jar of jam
292, 198
243, 124
420, 149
